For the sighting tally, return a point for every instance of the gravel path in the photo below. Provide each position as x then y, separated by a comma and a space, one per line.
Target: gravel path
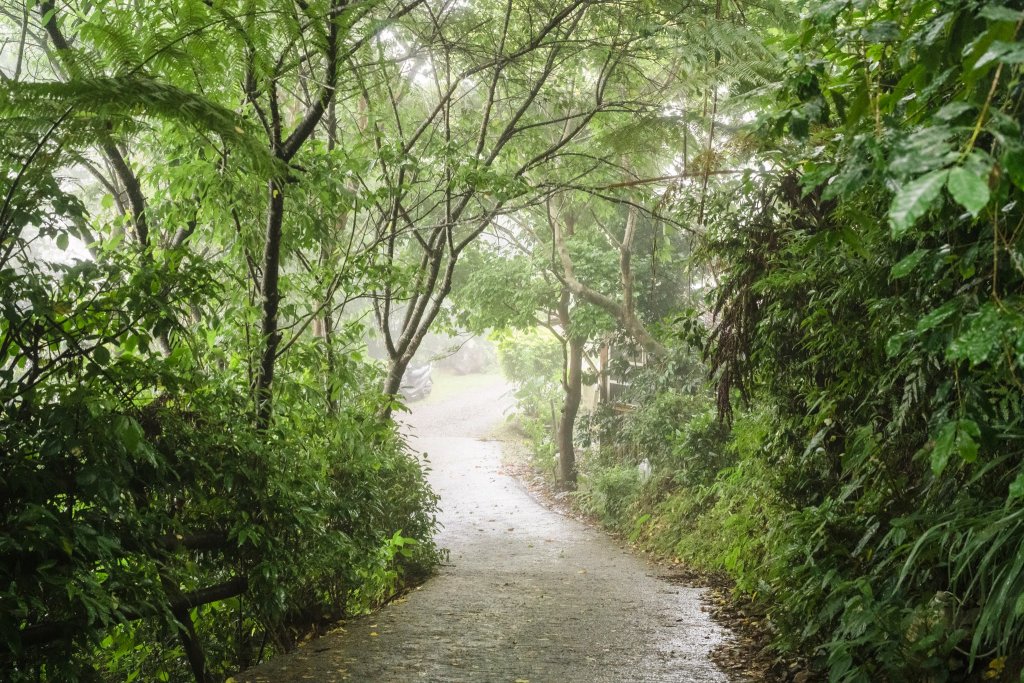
529, 595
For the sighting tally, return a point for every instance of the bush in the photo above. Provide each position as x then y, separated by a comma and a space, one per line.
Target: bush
609, 494
533, 362
131, 480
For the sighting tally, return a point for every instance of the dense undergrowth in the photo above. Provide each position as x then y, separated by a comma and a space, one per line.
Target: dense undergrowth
133, 480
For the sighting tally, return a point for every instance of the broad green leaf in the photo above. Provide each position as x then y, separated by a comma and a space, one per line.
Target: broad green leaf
1017, 487
1000, 13
1012, 53
1001, 51
923, 151
100, 354
953, 110
130, 433
967, 435
982, 336
62, 241
959, 436
907, 264
943, 447
968, 189
895, 343
913, 200
1013, 162
937, 315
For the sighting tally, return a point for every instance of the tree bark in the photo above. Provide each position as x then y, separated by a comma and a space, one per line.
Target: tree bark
271, 294
571, 407
186, 630
393, 381
572, 386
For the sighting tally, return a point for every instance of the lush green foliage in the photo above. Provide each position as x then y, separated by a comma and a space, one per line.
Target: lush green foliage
161, 518
117, 458
886, 333
533, 362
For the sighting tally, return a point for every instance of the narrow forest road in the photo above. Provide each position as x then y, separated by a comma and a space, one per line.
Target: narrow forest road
529, 595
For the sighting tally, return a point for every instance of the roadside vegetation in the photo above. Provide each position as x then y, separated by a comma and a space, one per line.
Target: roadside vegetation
835, 420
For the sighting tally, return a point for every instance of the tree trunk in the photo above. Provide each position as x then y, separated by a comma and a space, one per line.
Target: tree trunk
573, 395
393, 381
414, 329
572, 385
332, 365
271, 294
284, 150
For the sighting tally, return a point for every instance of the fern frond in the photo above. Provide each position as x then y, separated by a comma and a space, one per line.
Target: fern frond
124, 98
118, 44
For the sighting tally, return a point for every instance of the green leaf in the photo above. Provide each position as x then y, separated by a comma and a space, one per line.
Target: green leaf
100, 354
937, 315
62, 241
968, 433
913, 200
907, 264
1010, 53
969, 190
130, 433
895, 343
1013, 162
923, 151
943, 447
953, 110
1017, 487
981, 337
1000, 13
959, 436
1001, 51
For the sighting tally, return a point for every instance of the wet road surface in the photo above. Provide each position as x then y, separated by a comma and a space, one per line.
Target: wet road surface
528, 595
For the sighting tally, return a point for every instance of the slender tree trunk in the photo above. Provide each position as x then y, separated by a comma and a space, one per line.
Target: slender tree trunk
415, 328
190, 641
326, 251
572, 385
285, 149
332, 364
571, 407
271, 294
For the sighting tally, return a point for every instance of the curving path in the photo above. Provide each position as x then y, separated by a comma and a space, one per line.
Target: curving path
529, 595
